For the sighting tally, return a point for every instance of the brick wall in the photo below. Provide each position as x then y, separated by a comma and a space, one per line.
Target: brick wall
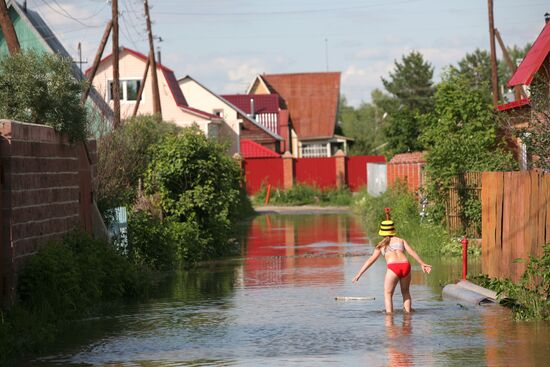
46, 191
407, 168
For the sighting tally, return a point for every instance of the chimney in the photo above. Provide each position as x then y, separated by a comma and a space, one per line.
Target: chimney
547, 18
25, 6
252, 114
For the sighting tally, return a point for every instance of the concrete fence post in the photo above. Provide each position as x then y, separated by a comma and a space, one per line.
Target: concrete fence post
340, 158
288, 170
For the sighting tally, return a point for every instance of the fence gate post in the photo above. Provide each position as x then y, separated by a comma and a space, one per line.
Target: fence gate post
288, 170
340, 161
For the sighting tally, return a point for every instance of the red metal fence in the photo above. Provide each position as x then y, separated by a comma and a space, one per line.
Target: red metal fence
321, 172
266, 171
356, 170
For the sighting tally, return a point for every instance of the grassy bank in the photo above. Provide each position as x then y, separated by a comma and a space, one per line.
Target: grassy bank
426, 237
529, 298
304, 195
64, 281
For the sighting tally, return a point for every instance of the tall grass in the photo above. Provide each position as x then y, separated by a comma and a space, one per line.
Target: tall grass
530, 297
303, 195
428, 239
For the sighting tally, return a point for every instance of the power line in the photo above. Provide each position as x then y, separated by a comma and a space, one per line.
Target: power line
66, 14
287, 12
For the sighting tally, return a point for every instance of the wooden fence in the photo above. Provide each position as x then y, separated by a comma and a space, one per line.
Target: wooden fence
515, 220
465, 185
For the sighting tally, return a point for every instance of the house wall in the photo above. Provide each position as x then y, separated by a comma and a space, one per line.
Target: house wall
256, 134
201, 98
46, 191
132, 67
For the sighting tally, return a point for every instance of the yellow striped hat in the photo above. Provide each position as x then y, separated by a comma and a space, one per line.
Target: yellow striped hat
387, 228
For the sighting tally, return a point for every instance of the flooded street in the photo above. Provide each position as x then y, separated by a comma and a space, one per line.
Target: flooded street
275, 306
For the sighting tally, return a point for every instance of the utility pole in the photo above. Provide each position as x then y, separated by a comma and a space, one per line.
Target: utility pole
141, 86
80, 61
116, 74
494, 73
154, 79
326, 52
8, 30
97, 60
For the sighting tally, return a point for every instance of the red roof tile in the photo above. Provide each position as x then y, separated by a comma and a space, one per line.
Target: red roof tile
312, 101
263, 103
514, 104
414, 157
251, 149
533, 60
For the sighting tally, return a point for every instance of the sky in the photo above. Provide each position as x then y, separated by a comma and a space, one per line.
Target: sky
225, 43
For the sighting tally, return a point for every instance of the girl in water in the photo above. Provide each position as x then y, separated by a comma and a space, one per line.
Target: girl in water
399, 269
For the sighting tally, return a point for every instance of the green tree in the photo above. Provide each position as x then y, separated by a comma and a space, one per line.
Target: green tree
363, 124
536, 136
411, 89
39, 88
124, 156
460, 135
199, 188
475, 67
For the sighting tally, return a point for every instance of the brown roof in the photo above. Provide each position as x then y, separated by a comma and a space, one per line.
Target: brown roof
414, 157
312, 100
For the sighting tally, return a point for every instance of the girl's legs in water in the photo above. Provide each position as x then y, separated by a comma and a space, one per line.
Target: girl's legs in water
390, 282
404, 283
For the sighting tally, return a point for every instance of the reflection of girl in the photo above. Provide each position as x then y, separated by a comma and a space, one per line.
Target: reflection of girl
399, 269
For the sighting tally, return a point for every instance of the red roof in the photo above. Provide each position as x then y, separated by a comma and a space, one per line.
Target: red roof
533, 60
514, 104
312, 101
414, 157
171, 80
251, 149
263, 103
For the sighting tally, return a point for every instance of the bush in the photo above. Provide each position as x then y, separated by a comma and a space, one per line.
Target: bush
124, 156
530, 298
63, 281
150, 243
301, 194
426, 238
462, 135
68, 276
200, 192
39, 88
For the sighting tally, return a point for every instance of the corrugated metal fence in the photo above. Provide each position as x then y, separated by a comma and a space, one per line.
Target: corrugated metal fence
516, 220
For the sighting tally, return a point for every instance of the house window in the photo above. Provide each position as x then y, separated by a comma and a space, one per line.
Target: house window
218, 112
314, 150
128, 90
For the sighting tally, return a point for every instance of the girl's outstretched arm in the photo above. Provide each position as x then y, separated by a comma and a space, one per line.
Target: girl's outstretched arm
367, 264
425, 267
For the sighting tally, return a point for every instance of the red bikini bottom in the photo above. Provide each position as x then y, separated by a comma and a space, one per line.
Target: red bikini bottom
401, 269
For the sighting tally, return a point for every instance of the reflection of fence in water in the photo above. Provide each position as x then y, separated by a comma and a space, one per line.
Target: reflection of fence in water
298, 249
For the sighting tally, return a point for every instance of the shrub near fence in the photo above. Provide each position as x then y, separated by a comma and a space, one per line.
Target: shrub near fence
515, 220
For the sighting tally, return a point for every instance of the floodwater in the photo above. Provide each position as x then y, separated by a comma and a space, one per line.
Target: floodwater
275, 306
